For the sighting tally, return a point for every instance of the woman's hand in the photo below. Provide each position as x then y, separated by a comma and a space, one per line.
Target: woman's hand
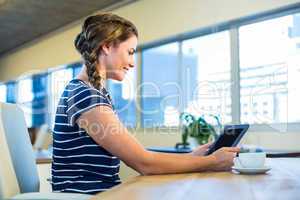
201, 150
224, 158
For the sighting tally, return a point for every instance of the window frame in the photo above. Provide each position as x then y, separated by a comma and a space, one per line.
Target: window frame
233, 27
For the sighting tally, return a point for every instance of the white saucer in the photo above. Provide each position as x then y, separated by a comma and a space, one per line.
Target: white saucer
243, 170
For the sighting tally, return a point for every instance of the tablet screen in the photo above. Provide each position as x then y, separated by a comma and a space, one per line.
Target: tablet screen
230, 137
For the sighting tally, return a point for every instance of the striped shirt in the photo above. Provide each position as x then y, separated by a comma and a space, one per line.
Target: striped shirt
79, 164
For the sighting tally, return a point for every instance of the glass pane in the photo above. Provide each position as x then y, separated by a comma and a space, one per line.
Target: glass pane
160, 86
270, 67
58, 81
76, 68
39, 103
11, 95
25, 93
24, 99
206, 62
124, 99
2, 93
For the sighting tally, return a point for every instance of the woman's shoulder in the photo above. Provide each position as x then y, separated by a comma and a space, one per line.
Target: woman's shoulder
78, 92
78, 88
82, 97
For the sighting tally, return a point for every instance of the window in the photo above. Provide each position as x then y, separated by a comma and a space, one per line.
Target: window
39, 102
206, 61
76, 68
2, 93
57, 82
269, 69
123, 96
160, 87
253, 81
195, 75
195, 78
11, 92
24, 99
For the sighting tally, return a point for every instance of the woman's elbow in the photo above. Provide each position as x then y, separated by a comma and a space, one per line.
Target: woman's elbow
146, 170
146, 165
143, 171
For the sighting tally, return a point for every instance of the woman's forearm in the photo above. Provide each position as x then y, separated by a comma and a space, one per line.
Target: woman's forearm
166, 163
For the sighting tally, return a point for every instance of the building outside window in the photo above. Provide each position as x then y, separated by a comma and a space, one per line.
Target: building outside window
193, 77
201, 68
160, 88
270, 70
40, 99
206, 61
11, 92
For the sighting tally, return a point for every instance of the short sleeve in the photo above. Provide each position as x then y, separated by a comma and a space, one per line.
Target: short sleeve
83, 100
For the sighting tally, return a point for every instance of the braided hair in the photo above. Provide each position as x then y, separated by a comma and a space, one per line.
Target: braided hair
99, 30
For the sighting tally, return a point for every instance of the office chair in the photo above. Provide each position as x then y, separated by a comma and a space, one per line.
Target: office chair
18, 171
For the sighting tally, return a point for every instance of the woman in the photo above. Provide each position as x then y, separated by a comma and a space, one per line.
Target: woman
88, 137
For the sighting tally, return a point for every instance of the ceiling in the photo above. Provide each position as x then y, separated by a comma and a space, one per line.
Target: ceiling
22, 21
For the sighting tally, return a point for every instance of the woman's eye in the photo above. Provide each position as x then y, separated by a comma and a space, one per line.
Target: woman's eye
131, 52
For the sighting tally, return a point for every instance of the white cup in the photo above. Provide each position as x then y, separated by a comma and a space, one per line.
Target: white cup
250, 160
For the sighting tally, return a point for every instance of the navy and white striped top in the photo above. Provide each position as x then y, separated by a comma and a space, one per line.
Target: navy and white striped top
79, 164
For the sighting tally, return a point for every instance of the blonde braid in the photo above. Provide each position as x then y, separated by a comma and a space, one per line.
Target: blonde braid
90, 59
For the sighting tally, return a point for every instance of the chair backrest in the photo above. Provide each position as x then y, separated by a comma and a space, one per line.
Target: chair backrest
20, 148
8, 181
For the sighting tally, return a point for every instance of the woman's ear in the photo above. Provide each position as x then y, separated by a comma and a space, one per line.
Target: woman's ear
105, 49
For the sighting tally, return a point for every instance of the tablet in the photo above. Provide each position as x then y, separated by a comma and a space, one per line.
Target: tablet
230, 137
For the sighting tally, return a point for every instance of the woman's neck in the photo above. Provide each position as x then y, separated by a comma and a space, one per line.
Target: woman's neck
84, 77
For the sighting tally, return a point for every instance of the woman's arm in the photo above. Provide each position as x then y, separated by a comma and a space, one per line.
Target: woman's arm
106, 130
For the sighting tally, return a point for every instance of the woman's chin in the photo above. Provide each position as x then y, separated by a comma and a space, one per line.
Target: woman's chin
119, 77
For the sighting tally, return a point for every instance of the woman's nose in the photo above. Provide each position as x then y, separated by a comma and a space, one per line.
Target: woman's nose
131, 62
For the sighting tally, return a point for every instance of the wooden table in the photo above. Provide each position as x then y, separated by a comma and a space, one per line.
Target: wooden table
282, 182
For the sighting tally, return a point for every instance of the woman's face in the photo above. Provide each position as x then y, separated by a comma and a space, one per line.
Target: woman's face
119, 59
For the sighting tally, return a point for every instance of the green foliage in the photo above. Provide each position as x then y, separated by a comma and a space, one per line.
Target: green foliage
197, 128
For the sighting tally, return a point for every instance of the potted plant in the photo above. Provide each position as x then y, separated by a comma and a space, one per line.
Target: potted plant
197, 128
